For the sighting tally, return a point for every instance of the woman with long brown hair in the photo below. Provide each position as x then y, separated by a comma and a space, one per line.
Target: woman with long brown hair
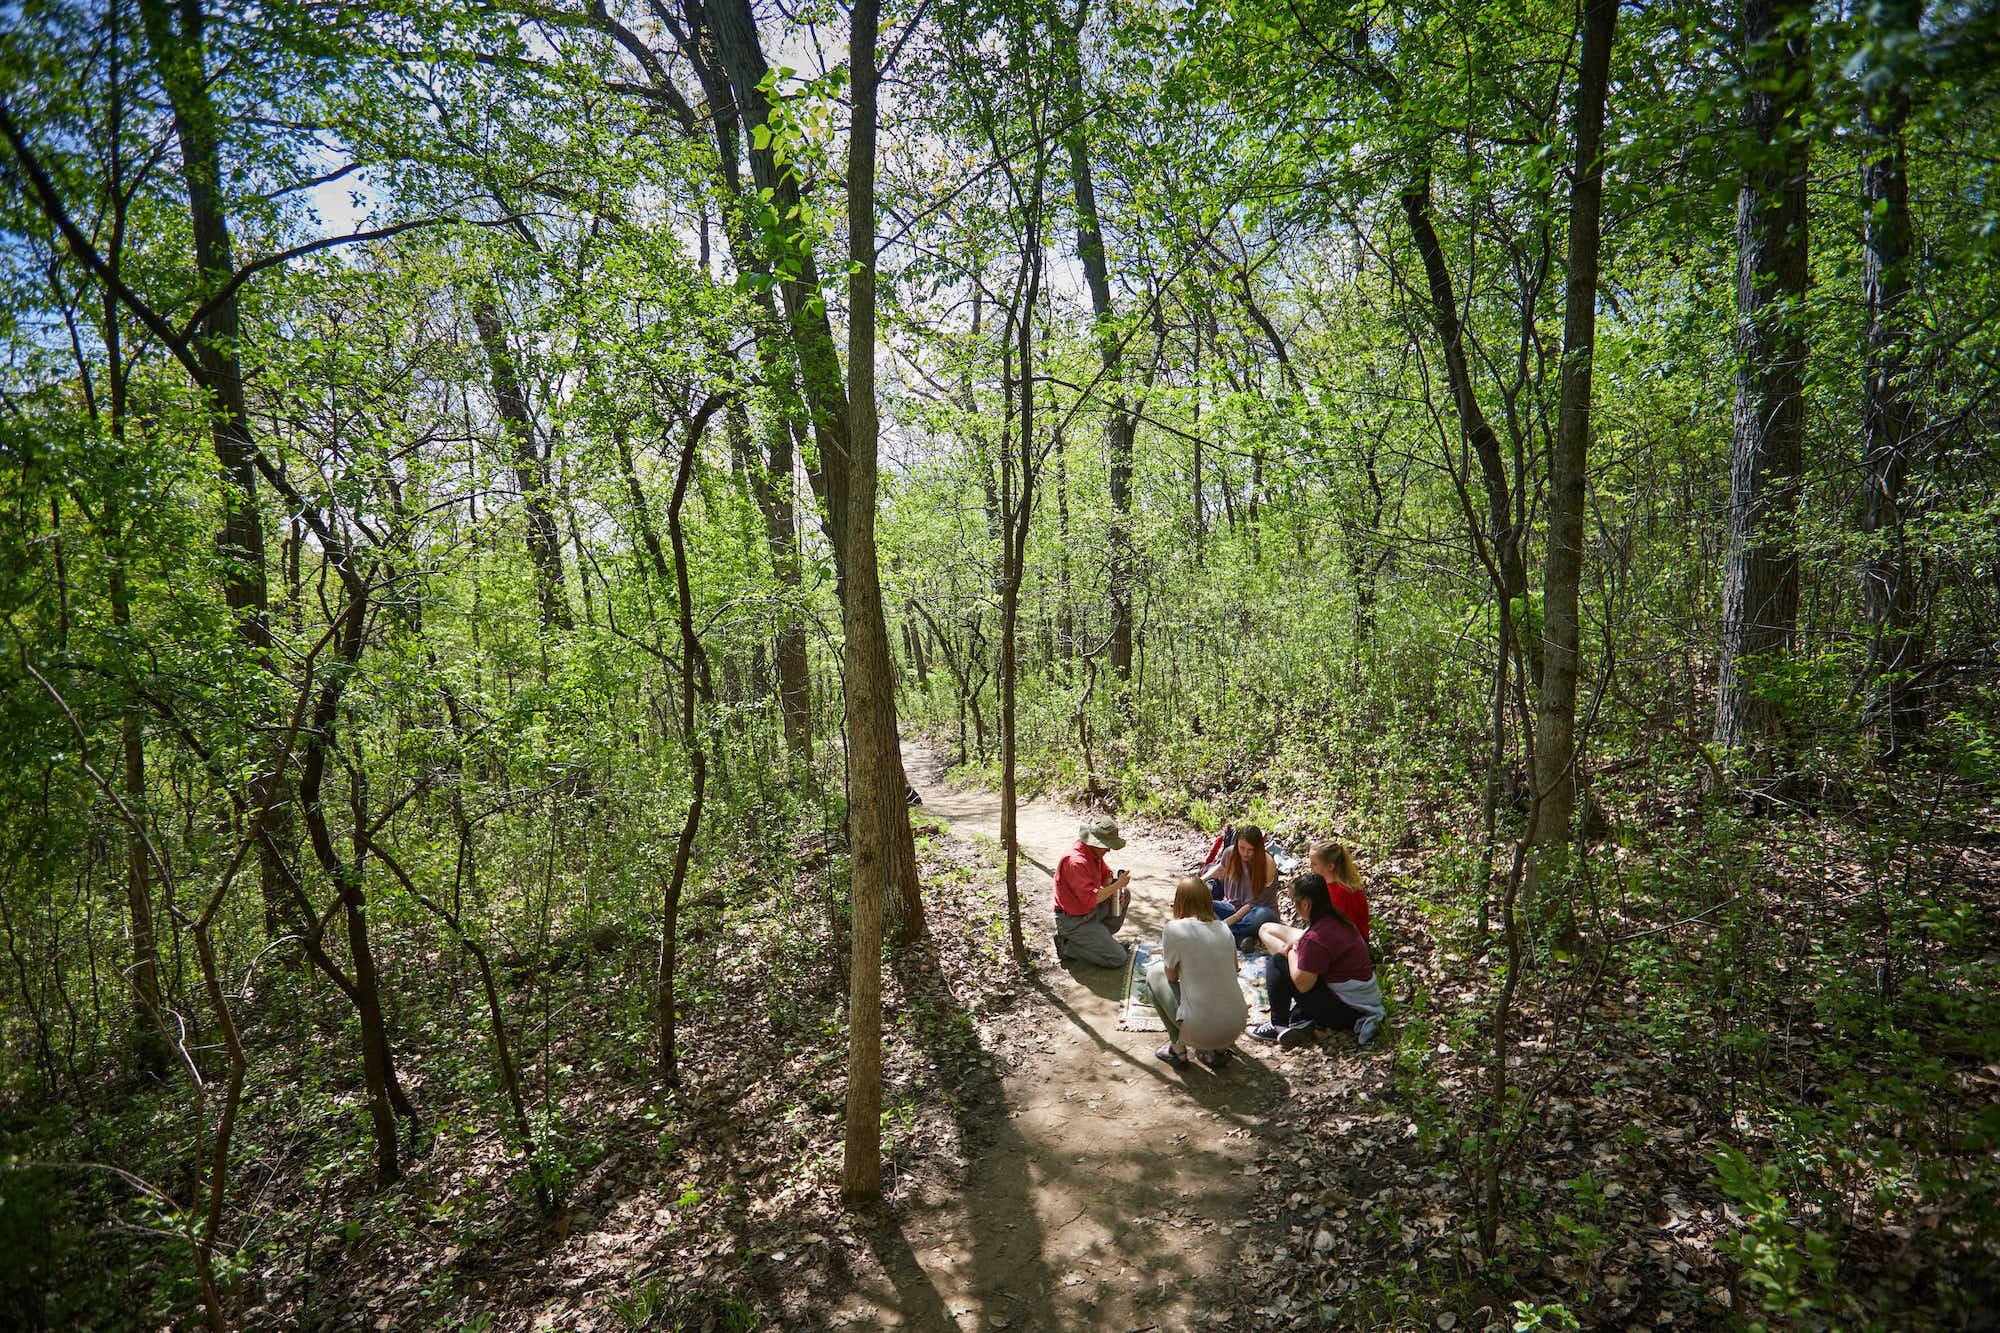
1244, 885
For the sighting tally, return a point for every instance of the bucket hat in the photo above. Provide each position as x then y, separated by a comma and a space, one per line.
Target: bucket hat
1101, 832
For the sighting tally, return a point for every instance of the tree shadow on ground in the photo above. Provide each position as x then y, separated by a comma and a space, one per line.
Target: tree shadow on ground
1248, 1086
999, 1222
1107, 983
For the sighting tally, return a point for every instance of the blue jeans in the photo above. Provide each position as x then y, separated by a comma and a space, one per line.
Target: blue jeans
1245, 930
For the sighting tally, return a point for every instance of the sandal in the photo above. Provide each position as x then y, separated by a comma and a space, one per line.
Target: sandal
1174, 1059
1216, 1060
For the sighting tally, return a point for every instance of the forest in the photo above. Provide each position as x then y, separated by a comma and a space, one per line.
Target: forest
567, 567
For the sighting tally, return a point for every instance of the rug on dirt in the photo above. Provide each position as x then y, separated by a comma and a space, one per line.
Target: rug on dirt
1136, 1012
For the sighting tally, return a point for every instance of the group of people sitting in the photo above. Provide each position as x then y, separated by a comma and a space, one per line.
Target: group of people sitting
1318, 974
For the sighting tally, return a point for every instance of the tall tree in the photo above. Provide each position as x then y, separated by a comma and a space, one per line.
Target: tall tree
1888, 412
875, 769
1118, 416
833, 412
1555, 730
1018, 504
177, 36
1760, 588
692, 668
531, 476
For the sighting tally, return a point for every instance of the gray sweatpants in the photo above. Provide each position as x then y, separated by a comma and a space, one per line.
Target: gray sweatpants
1088, 938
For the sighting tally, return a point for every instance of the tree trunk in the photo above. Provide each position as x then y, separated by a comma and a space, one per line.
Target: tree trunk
149, 1033
510, 398
1020, 515
1200, 504
734, 28
1110, 350
771, 484
1760, 588
691, 670
1555, 737
875, 783
913, 648
383, 1093
149, 1015
1888, 416
179, 52
1472, 423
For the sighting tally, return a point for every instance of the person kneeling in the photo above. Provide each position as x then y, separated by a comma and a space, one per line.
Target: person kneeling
1090, 900
1321, 976
1193, 981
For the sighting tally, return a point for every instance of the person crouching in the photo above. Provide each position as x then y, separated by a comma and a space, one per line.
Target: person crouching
1193, 982
1090, 900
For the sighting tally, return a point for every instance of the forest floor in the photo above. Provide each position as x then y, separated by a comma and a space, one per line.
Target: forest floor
1043, 1171
1114, 1191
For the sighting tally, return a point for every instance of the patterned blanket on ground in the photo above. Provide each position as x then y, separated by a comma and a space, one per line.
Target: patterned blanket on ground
1136, 1012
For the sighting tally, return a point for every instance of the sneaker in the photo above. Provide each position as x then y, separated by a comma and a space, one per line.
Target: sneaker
1295, 1036
1216, 1060
1174, 1059
1267, 1031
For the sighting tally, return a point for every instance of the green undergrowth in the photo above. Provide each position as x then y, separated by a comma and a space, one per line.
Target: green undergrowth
1755, 1035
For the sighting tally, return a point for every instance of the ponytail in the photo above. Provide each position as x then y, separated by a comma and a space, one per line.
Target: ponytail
1319, 899
1336, 856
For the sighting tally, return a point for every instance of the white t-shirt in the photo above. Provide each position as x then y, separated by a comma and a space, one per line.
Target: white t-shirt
1213, 1011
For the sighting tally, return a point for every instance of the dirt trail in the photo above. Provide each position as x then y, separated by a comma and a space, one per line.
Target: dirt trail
1112, 1194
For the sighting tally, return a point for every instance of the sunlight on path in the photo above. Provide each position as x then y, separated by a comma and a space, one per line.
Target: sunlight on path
1112, 1194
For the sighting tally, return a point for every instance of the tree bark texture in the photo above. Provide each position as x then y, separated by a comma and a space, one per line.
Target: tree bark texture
873, 762
176, 37
1472, 422
1760, 586
1118, 425
510, 399
1555, 730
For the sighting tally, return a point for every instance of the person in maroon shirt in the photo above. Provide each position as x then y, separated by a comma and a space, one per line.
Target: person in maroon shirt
1306, 966
1091, 900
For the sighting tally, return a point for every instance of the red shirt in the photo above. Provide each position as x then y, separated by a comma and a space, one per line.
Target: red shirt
1079, 876
1351, 901
1333, 951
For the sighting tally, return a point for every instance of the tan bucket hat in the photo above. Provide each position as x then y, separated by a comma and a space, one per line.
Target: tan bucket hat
1101, 832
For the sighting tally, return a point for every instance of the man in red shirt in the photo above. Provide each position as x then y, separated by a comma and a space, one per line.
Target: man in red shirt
1091, 901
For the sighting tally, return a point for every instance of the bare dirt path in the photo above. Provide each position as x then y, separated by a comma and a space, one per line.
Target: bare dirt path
1112, 1192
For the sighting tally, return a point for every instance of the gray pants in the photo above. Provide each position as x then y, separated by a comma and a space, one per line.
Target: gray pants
1088, 938
1166, 998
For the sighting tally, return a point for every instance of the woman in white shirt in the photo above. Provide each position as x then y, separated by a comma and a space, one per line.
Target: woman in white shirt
1193, 981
